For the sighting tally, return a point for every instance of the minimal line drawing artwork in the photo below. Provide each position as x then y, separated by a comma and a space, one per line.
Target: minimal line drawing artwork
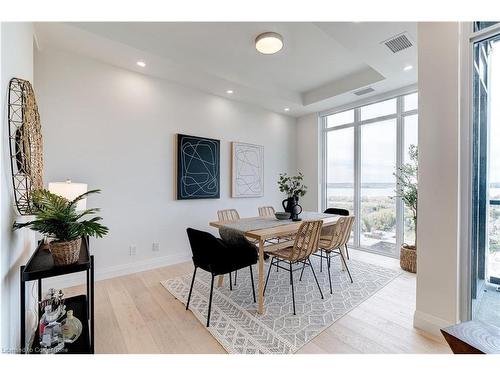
198, 167
247, 170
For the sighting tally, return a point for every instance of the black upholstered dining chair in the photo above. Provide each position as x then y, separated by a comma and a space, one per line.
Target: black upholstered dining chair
341, 212
219, 258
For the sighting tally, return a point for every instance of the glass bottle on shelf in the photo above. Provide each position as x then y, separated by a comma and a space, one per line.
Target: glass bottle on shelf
72, 328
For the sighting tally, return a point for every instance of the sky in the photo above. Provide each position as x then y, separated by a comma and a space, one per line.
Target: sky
378, 145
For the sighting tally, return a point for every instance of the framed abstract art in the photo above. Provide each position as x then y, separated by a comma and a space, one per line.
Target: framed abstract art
198, 167
247, 170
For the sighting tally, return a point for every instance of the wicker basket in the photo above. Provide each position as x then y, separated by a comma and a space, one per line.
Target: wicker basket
408, 258
65, 253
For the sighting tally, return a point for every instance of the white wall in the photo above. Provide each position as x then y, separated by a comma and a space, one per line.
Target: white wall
308, 160
16, 61
114, 130
439, 175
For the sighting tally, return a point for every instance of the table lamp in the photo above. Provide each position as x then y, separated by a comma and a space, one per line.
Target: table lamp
70, 190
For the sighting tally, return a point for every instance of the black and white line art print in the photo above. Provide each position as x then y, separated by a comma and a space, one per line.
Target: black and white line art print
247, 170
198, 167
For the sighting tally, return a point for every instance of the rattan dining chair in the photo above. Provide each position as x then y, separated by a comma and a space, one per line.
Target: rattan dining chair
341, 212
331, 241
306, 242
266, 211
228, 215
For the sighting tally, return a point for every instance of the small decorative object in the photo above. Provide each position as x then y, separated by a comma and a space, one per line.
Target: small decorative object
58, 218
407, 190
50, 331
51, 337
71, 328
247, 170
198, 167
296, 211
293, 187
282, 215
54, 299
25, 143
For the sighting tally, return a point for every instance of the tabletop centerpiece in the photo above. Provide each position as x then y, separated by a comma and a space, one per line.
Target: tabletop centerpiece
294, 188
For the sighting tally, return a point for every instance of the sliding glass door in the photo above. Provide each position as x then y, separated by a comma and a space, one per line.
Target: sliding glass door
362, 148
485, 176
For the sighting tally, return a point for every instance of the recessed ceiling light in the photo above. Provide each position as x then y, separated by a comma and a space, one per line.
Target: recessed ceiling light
269, 43
286, 109
142, 64
229, 91
408, 67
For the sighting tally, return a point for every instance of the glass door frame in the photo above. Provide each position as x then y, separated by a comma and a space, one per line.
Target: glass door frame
399, 116
468, 38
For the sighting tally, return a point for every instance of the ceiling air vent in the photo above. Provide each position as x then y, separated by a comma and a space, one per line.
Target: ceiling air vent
398, 43
363, 91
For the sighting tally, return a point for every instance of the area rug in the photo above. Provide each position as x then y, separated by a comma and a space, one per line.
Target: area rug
238, 327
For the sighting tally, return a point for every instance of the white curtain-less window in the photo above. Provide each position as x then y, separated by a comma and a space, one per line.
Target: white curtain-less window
363, 147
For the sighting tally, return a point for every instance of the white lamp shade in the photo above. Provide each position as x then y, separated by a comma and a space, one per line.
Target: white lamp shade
70, 191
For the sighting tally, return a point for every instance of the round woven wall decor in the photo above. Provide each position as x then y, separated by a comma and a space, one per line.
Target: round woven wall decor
25, 142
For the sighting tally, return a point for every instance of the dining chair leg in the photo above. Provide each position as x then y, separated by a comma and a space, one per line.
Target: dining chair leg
328, 262
230, 281
235, 276
253, 286
302, 272
321, 261
191, 289
268, 273
293, 292
210, 300
315, 278
345, 264
347, 251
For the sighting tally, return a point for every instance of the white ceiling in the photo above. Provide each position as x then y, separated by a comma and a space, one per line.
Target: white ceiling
319, 67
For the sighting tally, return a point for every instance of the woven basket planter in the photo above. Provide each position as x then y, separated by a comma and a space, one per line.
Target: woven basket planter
65, 253
408, 258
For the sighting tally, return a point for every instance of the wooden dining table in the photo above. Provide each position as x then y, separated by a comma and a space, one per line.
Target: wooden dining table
262, 237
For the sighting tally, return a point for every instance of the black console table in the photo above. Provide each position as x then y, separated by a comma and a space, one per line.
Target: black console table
41, 266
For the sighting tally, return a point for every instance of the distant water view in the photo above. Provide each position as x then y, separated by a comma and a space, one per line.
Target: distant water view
369, 189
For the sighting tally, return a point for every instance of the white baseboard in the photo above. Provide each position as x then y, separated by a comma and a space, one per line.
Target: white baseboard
67, 281
430, 323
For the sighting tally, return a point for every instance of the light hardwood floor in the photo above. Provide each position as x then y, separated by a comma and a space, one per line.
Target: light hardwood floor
135, 314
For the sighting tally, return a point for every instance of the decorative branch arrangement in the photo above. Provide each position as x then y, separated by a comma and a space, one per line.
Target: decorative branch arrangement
292, 186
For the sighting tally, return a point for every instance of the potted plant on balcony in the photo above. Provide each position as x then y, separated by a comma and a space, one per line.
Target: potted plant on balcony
57, 218
293, 187
407, 190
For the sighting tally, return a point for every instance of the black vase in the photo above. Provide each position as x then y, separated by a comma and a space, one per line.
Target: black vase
289, 203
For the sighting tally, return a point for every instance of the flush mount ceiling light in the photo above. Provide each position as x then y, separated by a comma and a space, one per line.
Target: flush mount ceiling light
269, 43
141, 63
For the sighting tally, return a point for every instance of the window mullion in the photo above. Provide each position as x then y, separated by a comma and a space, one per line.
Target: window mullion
400, 152
357, 178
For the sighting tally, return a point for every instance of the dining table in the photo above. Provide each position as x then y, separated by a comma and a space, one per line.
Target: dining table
262, 229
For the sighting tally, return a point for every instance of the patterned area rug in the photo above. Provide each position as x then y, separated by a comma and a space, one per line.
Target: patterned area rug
239, 329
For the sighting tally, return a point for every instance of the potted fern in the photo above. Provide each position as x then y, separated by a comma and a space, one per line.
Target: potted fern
57, 218
407, 190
